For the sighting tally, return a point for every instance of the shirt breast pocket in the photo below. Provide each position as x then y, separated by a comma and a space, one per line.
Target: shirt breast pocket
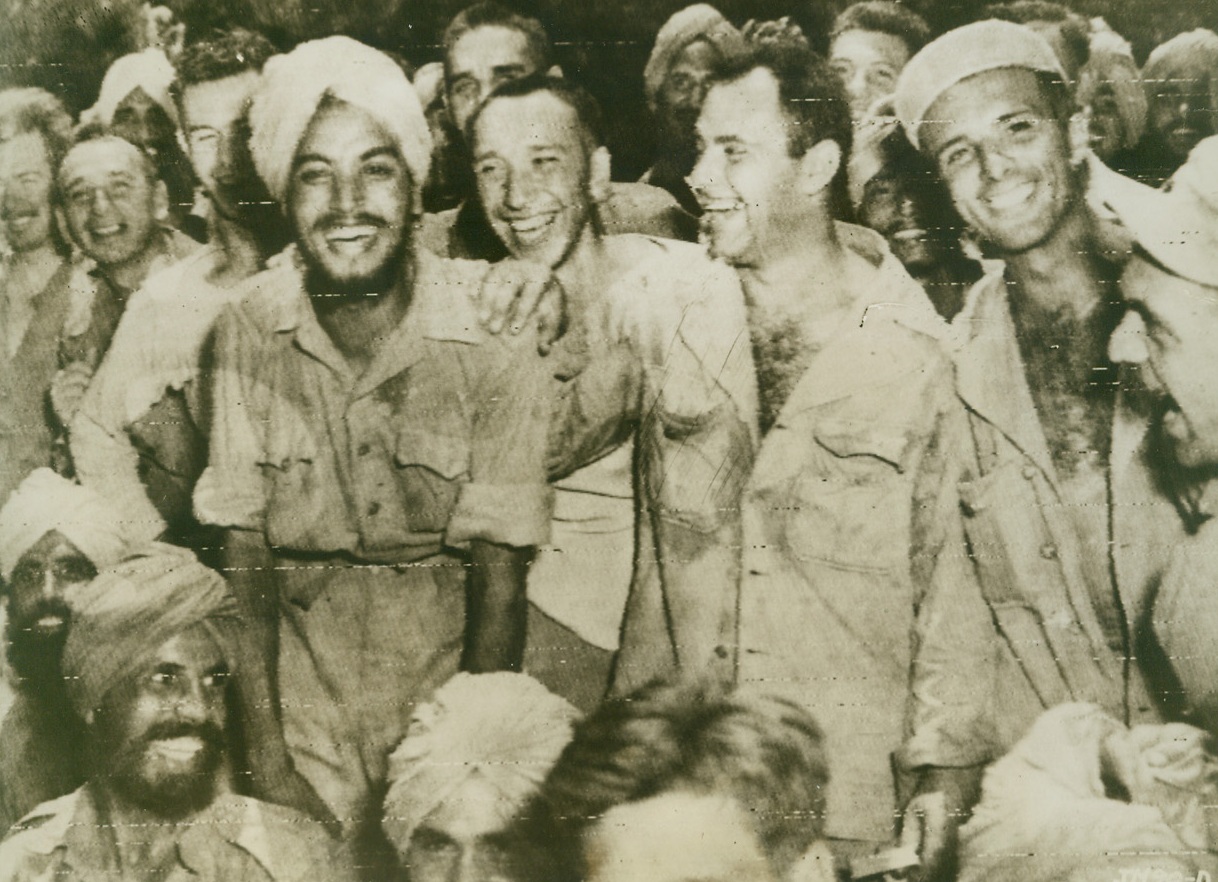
430, 470
851, 508
302, 502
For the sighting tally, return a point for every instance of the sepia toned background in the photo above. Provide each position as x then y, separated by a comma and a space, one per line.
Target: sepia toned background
67, 45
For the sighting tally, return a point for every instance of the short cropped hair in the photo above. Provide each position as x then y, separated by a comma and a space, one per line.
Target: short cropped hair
88, 134
226, 54
1075, 30
812, 98
885, 17
765, 752
587, 110
492, 14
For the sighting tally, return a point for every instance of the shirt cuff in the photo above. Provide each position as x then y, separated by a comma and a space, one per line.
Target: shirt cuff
517, 515
230, 503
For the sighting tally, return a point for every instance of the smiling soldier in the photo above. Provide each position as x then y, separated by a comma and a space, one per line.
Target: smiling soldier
147, 671
374, 456
1065, 530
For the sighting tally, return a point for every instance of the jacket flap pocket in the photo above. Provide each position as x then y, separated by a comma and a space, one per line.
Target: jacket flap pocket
446, 455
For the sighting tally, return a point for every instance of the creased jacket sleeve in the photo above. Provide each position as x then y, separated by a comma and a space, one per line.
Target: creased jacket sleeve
955, 645
697, 442
230, 493
508, 499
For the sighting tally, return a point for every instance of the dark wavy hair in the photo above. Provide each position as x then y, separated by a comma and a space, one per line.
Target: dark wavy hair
885, 17
225, 54
812, 98
765, 752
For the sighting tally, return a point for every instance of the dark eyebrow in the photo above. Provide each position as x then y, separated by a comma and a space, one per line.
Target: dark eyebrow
506, 68
379, 151
309, 157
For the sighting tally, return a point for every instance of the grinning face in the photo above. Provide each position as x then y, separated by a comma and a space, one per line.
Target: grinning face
480, 60
1005, 157
900, 210
462, 840
110, 200
1171, 330
159, 734
1182, 112
26, 178
212, 113
38, 613
350, 201
535, 175
746, 180
142, 121
869, 63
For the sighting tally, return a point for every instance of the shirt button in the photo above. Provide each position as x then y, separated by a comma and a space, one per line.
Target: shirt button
1029, 472
1048, 552
374, 509
721, 651
754, 572
364, 449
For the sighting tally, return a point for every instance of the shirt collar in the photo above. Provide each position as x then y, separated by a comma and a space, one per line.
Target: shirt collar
440, 306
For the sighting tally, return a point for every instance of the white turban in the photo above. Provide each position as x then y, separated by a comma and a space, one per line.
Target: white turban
293, 87
149, 70
130, 610
962, 53
697, 22
46, 501
505, 727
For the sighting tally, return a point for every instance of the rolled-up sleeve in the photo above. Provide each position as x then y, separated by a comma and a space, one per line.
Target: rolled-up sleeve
508, 500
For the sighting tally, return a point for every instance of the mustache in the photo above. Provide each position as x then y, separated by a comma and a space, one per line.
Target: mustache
362, 219
18, 209
209, 733
49, 606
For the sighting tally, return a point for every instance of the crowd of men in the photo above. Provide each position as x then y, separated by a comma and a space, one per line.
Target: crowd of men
388, 492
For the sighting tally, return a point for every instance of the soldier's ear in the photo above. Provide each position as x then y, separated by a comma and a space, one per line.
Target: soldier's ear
599, 164
65, 232
160, 202
819, 166
1080, 137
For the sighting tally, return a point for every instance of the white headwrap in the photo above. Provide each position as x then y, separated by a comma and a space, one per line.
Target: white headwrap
149, 70
962, 53
46, 501
697, 22
505, 727
293, 86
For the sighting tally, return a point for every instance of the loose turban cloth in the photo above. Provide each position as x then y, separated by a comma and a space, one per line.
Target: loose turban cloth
962, 53
45, 501
121, 618
294, 85
697, 22
505, 727
1191, 57
149, 70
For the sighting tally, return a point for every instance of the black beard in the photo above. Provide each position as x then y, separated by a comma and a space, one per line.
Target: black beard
172, 797
324, 290
35, 657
